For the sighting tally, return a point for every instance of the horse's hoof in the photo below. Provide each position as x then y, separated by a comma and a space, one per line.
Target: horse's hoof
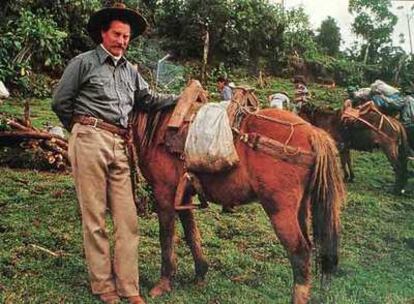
300, 294
162, 287
201, 270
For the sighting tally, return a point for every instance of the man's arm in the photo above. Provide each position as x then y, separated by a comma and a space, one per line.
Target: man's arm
66, 92
148, 100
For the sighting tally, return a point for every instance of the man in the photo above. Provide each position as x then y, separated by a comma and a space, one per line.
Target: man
301, 92
93, 100
225, 90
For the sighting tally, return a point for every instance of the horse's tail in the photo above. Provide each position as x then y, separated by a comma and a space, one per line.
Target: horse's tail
403, 153
327, 194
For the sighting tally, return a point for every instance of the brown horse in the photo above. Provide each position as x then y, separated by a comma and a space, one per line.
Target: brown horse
286, 164
370, 131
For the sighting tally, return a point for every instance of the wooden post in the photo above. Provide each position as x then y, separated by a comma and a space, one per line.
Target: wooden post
27, 121
205, 55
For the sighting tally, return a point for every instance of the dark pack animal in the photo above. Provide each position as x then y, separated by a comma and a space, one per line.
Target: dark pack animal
371, 130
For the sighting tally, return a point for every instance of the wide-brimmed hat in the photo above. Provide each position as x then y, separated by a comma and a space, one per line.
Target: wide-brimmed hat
117, 12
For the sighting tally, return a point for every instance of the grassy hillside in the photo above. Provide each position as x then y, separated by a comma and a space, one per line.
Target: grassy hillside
247, 262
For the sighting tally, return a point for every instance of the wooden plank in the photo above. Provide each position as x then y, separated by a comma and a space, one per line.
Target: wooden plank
190, 95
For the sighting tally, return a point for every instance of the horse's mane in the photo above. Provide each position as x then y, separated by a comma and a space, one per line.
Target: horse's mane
146, 123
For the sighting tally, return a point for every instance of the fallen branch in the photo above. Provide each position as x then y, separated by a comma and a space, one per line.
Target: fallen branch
36, 135
51, 148
46, 250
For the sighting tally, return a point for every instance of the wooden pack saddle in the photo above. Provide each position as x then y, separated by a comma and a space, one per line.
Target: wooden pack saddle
190, 101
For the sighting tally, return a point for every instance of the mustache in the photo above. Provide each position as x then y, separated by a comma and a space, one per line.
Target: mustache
121, 46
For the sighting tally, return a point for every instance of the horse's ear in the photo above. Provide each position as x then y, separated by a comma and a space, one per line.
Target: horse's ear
347, 104
194, 81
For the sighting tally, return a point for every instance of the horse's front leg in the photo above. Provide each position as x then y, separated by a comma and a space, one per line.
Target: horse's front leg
166, 219
193, 239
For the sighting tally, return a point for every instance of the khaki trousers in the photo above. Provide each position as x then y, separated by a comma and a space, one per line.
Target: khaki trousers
102, 179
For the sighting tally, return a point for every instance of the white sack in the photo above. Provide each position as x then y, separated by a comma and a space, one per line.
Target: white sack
4, 93
381, 87
363, 93
209, 145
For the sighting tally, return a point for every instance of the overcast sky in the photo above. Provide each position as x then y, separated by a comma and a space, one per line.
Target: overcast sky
318, 10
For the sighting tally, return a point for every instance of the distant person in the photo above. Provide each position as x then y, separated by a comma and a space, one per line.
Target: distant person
226, 93
301, 92
279, 100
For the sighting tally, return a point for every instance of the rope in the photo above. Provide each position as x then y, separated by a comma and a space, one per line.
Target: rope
285, 123
378, 130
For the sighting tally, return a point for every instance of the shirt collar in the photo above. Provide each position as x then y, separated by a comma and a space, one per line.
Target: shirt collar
103, 54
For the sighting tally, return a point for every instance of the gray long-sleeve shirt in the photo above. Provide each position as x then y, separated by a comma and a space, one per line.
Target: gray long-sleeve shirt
92, 85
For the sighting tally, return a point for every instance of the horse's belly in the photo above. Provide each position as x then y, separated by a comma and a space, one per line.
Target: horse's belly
227, 188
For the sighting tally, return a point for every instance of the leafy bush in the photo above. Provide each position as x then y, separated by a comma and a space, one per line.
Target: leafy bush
37, 37
33, 43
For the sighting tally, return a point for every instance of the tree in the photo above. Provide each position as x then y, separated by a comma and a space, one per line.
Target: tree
329, 37
374, 23
240, 32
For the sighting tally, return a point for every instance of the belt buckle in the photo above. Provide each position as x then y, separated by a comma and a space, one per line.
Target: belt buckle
96, 122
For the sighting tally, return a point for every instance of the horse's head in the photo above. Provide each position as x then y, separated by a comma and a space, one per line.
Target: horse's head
317, 115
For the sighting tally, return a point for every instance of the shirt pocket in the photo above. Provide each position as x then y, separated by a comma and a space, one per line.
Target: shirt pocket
103, 87
129, 89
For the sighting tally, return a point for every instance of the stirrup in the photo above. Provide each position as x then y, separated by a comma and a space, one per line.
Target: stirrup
189, 180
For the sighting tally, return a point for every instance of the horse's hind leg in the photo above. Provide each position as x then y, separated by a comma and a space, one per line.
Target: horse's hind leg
284, 219
398, 160
346, 163
166, 219
193, 239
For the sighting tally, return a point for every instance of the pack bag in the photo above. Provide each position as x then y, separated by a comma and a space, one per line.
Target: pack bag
363, 93
407, 113
209, 145
380, 87
4, 93
389, 103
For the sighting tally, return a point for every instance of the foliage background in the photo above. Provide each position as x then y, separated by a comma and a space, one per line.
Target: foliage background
38, 37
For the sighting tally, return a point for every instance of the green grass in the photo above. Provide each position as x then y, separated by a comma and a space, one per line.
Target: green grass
247, 262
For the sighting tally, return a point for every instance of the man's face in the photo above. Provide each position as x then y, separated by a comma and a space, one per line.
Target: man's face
116, 38
220, 85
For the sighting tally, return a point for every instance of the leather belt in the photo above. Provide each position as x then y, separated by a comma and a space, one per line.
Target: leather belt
99, 123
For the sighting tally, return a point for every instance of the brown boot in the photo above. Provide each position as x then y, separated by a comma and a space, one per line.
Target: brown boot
109, 297
136, 300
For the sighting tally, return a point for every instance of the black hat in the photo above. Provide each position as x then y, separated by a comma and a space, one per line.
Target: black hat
117, 12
